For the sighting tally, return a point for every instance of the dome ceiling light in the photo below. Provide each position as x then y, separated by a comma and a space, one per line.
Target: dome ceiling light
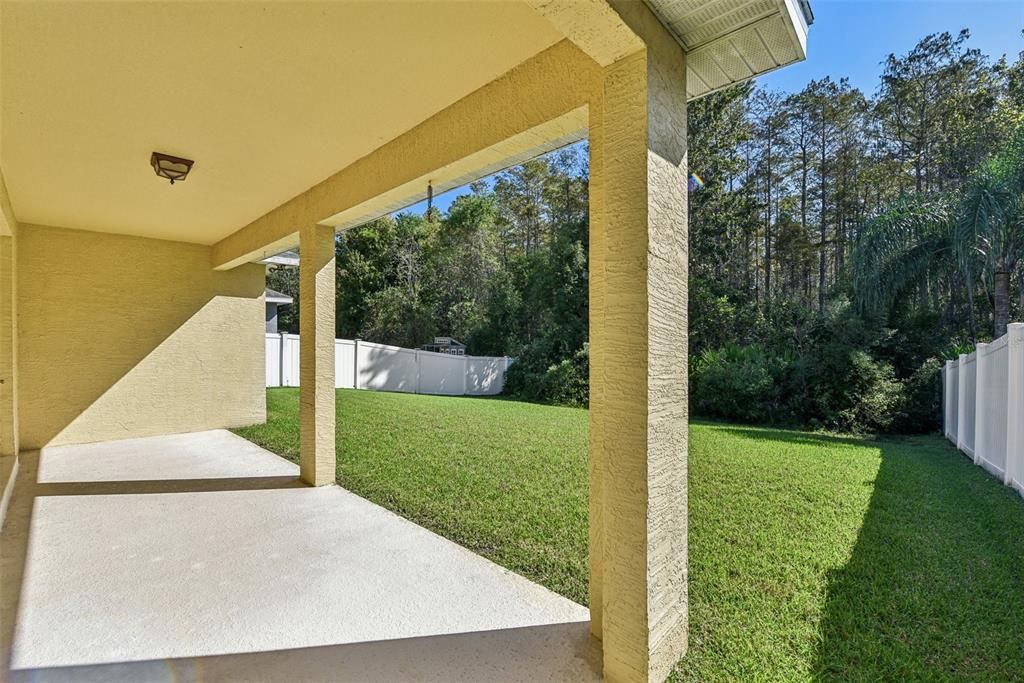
170, 167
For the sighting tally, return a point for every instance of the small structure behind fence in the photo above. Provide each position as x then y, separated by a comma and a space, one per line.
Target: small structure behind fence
983, 405
364, 365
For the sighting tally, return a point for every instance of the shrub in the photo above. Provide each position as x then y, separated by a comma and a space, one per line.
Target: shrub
922, 400
533, 378
738, 383
868, 397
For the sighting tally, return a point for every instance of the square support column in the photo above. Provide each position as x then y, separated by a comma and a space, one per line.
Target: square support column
638, 346
316, 355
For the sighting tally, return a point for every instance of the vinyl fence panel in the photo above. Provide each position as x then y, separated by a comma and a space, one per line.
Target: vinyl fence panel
273, 360
365, 365
386, 368
968, 382
990, 413
344, 364
485, 376
983, 406
290, 360
951, 387
442, 373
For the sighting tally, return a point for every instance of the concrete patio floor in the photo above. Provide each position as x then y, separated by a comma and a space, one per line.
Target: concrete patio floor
201, 557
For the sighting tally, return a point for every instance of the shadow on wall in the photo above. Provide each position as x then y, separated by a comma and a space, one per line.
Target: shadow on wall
387, 368
934, 589
125, 336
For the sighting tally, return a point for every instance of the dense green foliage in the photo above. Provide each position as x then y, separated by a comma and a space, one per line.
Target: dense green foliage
811, 556
504, 271
841, 246
835, 257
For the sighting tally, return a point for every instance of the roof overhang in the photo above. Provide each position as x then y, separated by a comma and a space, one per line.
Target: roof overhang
274, 297
289, 257
731, 41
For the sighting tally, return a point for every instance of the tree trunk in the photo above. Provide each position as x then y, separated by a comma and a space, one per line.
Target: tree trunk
971, 321
1002, 302
1020, 285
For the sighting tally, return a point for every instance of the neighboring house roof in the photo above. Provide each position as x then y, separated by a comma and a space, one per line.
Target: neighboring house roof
275, 297
446, 341
285, 258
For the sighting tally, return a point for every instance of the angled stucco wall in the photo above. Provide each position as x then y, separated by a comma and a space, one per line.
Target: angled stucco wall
8, 349
124, 336
8, 327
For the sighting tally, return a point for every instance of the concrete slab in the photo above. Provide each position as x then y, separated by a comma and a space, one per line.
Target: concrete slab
199, 556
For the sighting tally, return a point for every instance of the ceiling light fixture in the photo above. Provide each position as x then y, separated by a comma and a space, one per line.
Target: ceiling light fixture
170, 167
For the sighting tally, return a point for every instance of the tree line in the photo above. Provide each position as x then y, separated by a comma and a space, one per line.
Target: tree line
842, 244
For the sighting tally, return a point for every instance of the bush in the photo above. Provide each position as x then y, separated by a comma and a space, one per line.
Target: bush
864, 398
922, 400
738, 383
533, 378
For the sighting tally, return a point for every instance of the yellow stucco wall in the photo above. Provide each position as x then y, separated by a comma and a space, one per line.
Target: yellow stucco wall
8, 330
125, 336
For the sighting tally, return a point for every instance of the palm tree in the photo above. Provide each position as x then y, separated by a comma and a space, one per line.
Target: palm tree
907, 249
989, 233
924, 237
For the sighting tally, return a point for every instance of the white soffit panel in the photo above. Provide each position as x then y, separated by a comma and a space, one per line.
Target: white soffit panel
730, 41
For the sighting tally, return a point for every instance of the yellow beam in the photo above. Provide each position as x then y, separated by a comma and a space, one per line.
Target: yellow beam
593, 26
540, 103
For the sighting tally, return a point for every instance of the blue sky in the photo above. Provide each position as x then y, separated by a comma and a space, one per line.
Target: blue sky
852, 37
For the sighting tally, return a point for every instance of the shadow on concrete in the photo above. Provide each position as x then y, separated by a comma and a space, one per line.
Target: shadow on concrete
110, 627
554, 652
116, 488
18, 521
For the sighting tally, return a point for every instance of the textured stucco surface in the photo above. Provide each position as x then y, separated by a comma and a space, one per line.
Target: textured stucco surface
642, 410
206, 550
316, 355
8, 326
594, 26
126, 336
482, 130
269, 98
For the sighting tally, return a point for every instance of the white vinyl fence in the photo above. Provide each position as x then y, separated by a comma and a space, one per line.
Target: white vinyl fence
983, 403
364, 365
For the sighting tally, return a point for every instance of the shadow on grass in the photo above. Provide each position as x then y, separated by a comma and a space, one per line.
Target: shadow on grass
789, 436
934, 587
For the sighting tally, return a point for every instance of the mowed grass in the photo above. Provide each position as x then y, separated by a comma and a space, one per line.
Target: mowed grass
811, 556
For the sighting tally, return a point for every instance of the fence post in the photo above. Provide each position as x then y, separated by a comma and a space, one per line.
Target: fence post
355, 364
1014, 403
280, 359
981, 398
961, 400
417, 357
947, 403
465, 371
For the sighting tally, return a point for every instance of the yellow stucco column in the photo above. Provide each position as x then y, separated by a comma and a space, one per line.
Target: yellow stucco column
597, 349
316, 354
638, 273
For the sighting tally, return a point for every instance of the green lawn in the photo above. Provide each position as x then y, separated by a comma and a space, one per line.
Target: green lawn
810, 556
